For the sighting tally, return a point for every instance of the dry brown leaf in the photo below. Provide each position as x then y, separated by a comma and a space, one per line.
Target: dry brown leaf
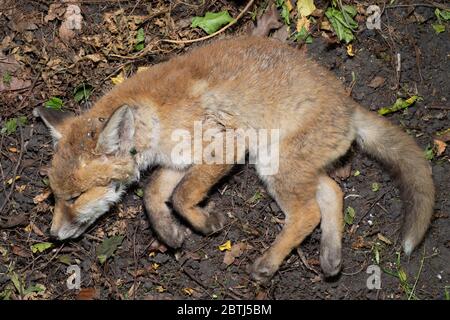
377, 82
36, 230
235, 251
439, 146
87, 294
96, 57
42, 197
72, 22
55, 10
18, 251
360, 243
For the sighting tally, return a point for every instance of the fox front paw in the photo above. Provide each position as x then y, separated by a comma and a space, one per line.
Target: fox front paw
263, 270
171, 233
214, 221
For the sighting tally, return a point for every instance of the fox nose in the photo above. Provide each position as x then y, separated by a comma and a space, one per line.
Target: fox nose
54, 232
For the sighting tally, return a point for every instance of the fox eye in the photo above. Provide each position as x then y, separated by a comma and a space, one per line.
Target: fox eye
72, 199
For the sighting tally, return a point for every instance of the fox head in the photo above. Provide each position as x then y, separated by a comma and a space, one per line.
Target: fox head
91, 166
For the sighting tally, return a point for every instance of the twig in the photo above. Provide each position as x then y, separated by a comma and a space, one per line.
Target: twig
371, 207
16, 169
215, 33
205, 288
429, 5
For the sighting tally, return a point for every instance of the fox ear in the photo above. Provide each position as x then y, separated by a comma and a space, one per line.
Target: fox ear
53, 120
118, 133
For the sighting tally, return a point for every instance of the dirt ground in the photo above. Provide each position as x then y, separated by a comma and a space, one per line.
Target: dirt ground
41, 64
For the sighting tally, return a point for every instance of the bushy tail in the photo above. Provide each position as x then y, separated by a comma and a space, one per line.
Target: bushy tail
389, 144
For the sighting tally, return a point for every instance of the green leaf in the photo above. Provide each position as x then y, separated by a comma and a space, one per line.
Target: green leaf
212, 22
16, 282
54, 103
22, 120
429, 153
303, 35
37, 288
438, 28
375, 187
66, 259
349, 215
342, 23
140, 40
10, 126
442, 14
139, 46
82, 92
281, 4
7, 78
41, 247
139, 192
140, 35
357, 173
399, 105
107, 248
376, 253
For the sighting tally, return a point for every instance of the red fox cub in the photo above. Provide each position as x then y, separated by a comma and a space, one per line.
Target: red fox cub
238, 85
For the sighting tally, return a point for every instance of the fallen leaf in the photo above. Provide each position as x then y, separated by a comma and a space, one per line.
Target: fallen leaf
118, 79
160, 289
342, 22
350, 50
444, 135
439, 146
376, 82
72, 22
66, 259
349, 215
87, 294
188, 291
18, 251
302, 22
13, 150
42, 197
107, 248
36, 230
95, 57
21, 188
212, 22
41, 247
234, 253
399, 105
360, 243
14, 221
384, 239
305, 7
375, 186
225, 246
55, 10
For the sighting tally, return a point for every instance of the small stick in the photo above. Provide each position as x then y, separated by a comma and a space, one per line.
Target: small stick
16, 169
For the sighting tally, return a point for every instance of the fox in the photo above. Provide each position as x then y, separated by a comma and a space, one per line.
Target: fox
243, 82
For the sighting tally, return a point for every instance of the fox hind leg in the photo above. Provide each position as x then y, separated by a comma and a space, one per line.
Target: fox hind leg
294, 189
329, 196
